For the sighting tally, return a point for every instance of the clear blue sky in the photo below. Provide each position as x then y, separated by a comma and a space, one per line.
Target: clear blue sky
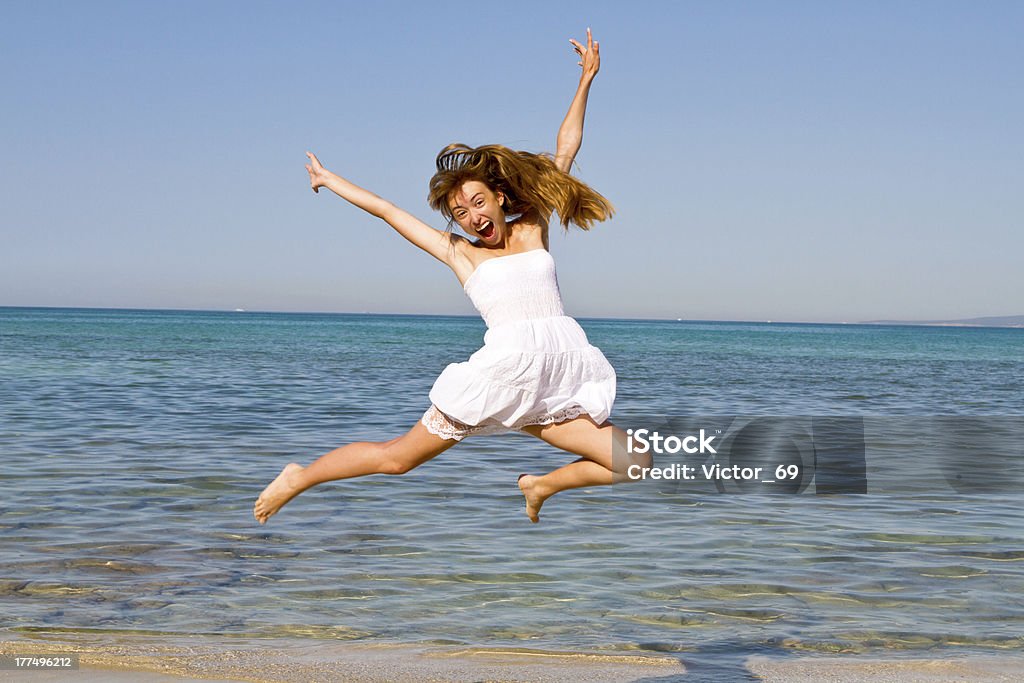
785, 161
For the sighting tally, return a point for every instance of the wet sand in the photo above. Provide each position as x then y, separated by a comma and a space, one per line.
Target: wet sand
979, 669
182, 659
162, 660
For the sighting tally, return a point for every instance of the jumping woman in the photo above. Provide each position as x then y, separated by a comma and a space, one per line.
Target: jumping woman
536, 373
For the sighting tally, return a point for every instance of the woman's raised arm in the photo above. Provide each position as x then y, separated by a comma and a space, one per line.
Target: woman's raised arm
570, 134
435, 242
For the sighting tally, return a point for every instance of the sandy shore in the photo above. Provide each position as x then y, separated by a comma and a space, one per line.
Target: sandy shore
160, 659
870, 670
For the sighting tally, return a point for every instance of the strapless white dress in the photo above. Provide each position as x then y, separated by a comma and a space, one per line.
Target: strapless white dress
536, 365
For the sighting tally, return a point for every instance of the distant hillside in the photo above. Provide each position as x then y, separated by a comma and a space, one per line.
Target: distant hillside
990, 321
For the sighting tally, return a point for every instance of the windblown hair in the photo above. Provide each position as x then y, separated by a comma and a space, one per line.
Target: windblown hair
528, 181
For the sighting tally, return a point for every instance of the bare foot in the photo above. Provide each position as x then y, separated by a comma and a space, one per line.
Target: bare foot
528, 484
277, 493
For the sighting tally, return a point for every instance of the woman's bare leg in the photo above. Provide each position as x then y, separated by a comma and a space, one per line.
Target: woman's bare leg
598, 445
396, 456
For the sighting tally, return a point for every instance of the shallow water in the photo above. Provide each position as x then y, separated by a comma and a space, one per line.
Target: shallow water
134, 443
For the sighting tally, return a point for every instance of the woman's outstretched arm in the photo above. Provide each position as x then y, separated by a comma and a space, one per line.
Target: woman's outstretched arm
435, 242
570, 134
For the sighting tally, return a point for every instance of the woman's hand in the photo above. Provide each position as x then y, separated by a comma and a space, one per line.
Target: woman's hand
590, 56
317, 173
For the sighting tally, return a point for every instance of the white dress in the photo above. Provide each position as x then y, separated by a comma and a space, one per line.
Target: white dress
536, 365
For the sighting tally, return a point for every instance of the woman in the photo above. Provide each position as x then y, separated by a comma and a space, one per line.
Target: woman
536, 373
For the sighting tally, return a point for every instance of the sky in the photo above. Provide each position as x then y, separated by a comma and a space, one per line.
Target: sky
801, 161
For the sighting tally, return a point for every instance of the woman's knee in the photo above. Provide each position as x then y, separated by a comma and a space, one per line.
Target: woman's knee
386, 457
624, 460
393, 460
406, 453
395, 467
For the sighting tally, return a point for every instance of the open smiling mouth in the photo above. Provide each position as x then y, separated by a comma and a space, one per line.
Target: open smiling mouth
486, 230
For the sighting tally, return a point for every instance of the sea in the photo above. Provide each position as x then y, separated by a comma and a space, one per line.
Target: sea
133, 444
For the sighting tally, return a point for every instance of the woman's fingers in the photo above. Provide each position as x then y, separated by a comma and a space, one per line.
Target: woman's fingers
314, 168
312, 176
316, 162
590, 56
592, 45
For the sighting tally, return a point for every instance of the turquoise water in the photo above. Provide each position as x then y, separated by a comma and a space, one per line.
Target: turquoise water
134, 443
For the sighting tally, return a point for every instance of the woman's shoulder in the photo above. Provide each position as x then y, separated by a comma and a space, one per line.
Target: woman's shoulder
531, 229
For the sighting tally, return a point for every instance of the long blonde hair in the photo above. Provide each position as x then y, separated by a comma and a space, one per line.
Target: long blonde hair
528, 181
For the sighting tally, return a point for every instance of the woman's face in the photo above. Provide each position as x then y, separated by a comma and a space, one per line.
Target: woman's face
478, 211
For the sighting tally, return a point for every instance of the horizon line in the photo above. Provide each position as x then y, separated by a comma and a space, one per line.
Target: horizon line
874, 323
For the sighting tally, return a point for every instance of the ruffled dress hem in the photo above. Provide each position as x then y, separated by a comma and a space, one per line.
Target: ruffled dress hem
439, 424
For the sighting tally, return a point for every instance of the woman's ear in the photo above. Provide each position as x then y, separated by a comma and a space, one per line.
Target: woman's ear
501, 199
